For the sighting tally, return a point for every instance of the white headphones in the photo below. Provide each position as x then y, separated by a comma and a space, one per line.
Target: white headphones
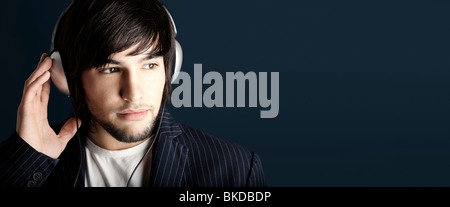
57, 71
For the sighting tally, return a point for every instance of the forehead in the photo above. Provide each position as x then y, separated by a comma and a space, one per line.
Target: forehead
129, 54
135, 50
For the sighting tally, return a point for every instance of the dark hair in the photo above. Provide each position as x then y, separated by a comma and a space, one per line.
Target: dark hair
89, 32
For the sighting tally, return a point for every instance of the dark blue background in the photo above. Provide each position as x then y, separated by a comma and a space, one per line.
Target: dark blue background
363, 84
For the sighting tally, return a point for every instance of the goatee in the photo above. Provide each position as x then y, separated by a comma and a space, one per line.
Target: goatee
122, 136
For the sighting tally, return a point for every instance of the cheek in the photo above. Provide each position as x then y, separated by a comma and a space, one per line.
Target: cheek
160, 81
153, 87
97, 96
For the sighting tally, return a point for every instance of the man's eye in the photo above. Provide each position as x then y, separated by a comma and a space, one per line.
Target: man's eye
150, 66
109, 70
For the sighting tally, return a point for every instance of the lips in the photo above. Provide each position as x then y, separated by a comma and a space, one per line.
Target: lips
133, 114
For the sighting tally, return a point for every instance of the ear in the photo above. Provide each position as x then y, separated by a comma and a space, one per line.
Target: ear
57, 74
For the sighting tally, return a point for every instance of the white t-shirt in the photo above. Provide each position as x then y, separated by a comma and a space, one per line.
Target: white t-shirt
106, 168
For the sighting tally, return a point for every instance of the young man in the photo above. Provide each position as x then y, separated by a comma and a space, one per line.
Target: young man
117, 56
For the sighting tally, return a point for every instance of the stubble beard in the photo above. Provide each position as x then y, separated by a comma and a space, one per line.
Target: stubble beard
122, 136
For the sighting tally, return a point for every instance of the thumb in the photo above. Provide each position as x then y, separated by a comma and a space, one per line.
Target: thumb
69, 129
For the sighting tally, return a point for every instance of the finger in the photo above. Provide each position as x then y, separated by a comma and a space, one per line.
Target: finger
45, 65
45, 93
43, 56
34, 89
69, 129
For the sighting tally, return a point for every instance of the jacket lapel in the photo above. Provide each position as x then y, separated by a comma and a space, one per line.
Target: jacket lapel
170, 155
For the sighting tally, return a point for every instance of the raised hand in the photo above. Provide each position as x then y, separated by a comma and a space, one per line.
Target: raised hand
32, 124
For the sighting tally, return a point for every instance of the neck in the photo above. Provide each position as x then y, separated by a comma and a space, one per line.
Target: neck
103, 139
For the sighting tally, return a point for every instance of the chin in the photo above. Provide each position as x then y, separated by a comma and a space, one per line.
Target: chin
134, 132
128, 131
134, 128
132, 135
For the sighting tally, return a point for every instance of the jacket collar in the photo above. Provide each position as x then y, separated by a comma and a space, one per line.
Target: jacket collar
170, 155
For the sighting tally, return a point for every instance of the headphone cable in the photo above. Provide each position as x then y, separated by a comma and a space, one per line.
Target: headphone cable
151, 146
79, 143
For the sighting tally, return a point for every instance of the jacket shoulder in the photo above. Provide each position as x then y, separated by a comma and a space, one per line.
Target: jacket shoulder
198, 139
219, 162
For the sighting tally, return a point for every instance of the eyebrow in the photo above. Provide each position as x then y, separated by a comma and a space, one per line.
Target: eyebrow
111, 61
148, 56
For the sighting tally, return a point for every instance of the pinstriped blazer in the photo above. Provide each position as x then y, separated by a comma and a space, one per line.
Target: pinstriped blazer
182, 157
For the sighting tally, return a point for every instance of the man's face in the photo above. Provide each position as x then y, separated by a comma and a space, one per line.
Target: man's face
125, 95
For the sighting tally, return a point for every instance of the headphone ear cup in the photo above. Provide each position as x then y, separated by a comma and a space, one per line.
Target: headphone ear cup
58, 75
178, 61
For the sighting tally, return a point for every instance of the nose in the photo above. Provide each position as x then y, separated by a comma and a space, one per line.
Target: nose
131, 87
